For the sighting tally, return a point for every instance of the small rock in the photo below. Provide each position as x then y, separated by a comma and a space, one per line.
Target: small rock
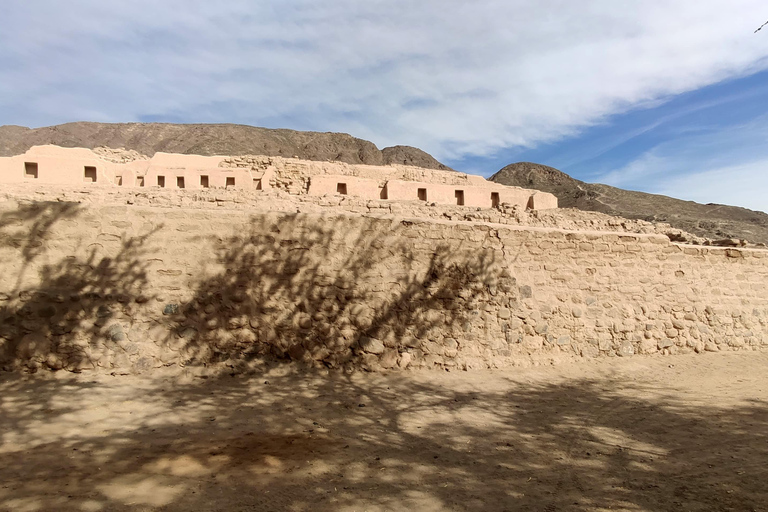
171, 309
626, 349
371, 345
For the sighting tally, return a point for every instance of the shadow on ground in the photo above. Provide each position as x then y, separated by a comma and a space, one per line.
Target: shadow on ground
420, 441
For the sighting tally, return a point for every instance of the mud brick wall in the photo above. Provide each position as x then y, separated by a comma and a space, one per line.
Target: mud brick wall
131, 288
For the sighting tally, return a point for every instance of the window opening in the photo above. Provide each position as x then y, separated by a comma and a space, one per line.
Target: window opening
422, 194
460, 197
30, 170
89, 174
179, 181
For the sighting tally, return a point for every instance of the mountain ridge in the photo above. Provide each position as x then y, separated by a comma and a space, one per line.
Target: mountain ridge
714, 221
213, 139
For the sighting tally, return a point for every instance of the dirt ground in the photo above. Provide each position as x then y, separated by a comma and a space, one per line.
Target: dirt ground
656, 433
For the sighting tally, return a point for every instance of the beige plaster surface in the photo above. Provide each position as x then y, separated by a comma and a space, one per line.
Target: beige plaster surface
66, 166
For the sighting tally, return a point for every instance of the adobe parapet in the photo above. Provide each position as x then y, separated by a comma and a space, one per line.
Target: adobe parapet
129, 169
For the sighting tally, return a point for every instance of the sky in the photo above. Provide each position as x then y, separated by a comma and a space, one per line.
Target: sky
651, 95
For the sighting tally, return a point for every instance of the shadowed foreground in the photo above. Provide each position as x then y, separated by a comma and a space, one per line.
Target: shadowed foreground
675, 433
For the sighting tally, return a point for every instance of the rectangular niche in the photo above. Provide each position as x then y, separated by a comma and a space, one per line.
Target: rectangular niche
257, 183
495, 200
30, 170
139, 181
204, 181
460, 197
179, 181
89, 174
230, 182
341, 189
161, 181
422, 193
118, 180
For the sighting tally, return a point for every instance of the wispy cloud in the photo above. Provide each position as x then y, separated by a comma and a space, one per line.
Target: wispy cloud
717, 164
455, 78
742, 185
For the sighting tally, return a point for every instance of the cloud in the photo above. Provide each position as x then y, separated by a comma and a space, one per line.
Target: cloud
455, 78
742, 185
711, 164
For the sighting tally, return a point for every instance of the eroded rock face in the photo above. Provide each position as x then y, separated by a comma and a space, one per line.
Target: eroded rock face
137, 139
127, 288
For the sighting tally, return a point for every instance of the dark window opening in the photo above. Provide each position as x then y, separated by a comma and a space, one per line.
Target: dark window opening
383, 193
89, 174
422, 194
204, 181
530, 203
257, 183
494, 199
179, 181
460, 197
30, 170
341, 188
230, 182
118, 180
161, 181
140, 181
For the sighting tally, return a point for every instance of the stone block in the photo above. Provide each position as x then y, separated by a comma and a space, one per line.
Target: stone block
371, 345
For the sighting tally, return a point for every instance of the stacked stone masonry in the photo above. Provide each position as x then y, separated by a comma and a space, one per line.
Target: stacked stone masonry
130, 288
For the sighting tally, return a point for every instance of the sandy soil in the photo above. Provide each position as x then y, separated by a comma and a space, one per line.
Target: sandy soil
671, 433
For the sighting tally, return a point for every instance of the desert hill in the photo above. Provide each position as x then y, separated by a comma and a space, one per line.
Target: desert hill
713, 221
213, 139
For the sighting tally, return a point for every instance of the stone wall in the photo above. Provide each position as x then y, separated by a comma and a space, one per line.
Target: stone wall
129, 288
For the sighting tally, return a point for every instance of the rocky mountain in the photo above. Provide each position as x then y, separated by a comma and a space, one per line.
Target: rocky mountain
213, 139
713, 221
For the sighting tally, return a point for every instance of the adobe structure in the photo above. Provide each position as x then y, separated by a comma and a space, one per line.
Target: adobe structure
343, 267
55, 165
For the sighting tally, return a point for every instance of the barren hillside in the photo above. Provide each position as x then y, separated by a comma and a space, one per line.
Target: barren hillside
213, 139
714, 221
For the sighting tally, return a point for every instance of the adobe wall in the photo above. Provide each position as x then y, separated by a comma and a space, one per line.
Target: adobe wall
116, 168
128, 288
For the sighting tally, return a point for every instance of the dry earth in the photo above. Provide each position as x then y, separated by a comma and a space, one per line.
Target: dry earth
655, 433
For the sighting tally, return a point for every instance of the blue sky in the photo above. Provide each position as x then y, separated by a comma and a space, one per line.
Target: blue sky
664, 97
707, 145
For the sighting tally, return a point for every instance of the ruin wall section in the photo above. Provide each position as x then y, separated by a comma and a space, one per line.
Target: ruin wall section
112, 168
128, 289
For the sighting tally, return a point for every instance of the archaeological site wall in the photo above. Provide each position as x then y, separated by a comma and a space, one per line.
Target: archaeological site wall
105, 167
129, 288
